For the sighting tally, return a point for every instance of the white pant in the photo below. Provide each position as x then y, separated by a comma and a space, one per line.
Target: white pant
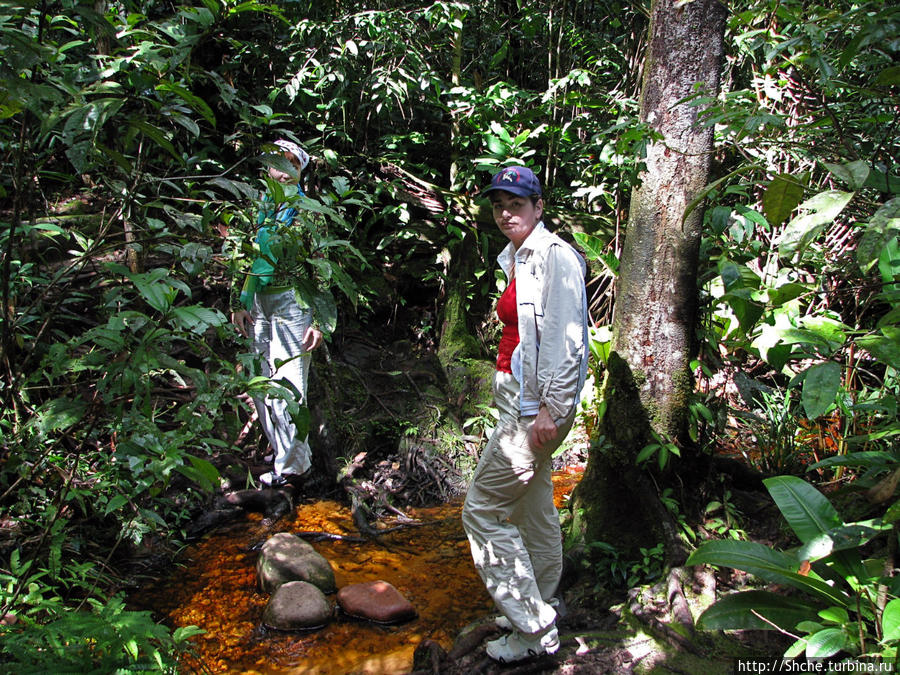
279, 324
510, 518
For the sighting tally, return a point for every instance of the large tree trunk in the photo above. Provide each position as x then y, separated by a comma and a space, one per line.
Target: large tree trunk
649, 380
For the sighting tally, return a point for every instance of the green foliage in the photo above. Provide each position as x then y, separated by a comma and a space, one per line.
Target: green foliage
840, 606
785, 286
662, 449
116, 386
113, 390
771, 417
723, 518
481, 426
816, 354
607, 565
106, 638
311, 251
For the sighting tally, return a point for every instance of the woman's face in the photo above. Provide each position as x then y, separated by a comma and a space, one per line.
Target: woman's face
516, 216
283, 177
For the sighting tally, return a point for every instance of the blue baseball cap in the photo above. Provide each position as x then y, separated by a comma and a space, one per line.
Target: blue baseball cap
520, 180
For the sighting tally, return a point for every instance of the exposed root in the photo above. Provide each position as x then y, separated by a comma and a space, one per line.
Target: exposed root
376, 485
328, 536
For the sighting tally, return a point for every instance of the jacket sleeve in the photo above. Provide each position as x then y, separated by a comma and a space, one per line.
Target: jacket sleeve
562, 347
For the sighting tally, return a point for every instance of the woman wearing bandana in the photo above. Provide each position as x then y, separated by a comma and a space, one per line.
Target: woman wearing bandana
283, 331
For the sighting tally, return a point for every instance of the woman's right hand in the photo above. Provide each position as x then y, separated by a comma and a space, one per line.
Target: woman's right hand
242, 321
543, 432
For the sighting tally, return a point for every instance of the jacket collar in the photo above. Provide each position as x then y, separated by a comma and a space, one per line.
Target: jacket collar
509, 254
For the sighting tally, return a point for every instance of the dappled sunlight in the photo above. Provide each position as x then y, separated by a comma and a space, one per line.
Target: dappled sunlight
215, 588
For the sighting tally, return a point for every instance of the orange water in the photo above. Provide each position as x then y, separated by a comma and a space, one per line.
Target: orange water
215, 588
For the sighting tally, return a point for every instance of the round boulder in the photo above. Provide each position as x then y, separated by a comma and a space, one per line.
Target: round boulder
285, 557
375, 601
297, 605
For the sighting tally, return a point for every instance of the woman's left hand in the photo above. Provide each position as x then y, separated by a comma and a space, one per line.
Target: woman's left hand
544, 430
312, 338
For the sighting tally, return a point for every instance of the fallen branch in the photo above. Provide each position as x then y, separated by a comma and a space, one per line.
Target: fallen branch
329, 536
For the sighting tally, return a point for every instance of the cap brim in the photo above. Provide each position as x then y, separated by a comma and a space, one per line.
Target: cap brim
521, 192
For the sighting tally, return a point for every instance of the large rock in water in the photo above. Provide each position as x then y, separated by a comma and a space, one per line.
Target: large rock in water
376, 601
285, 557
297, 605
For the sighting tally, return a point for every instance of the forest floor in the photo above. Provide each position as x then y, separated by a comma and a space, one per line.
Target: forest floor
610, 626
606, 628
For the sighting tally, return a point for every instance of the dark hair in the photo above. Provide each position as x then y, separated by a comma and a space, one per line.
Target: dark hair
534, 198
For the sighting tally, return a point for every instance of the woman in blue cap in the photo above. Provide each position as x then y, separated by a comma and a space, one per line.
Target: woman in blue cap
509, 515
283, 331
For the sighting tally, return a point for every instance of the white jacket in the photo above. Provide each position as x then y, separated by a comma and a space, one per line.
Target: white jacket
550, 362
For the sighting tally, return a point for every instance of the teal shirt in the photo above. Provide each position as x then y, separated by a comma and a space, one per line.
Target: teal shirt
268, 218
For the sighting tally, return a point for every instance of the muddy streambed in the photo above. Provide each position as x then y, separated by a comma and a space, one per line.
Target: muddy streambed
214, 588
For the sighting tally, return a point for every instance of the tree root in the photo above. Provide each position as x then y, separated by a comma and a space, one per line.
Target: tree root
328, 536
658, 611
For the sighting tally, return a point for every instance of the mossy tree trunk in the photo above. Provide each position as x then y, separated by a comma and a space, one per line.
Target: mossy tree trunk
649, 382
468, 370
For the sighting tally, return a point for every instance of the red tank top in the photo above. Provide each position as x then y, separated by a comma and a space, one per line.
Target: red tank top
508, 312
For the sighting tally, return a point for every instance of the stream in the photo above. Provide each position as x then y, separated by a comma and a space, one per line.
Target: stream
214, 587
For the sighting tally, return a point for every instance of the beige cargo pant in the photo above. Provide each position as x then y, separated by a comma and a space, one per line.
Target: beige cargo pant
510, 519
279, 325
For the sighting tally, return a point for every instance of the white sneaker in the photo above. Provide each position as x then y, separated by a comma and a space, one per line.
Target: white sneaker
555, 602
270, 479
516, 646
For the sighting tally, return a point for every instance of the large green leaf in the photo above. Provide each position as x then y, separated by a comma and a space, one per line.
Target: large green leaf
825, 643
820, 387
883, 227
808, 511
785, 293
301, 419
735, 276
747, 310
198, 319
889, 269
890, 621
756, 610
868, 459
854, 174
201, 471
769, 565
821, 210
593, 246
885, 347
850, 536
781, 198
57, 414
832, 332
156, 288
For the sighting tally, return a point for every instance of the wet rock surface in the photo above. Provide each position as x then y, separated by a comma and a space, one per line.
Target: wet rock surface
297, 605
284, 558
375, 601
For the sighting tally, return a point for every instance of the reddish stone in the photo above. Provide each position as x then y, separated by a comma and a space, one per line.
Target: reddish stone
376, 601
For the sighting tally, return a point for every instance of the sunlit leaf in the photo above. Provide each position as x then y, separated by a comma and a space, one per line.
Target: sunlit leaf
821, 210
820, 387
807, 511
825, 643
769, 565
884, 347
890, 621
